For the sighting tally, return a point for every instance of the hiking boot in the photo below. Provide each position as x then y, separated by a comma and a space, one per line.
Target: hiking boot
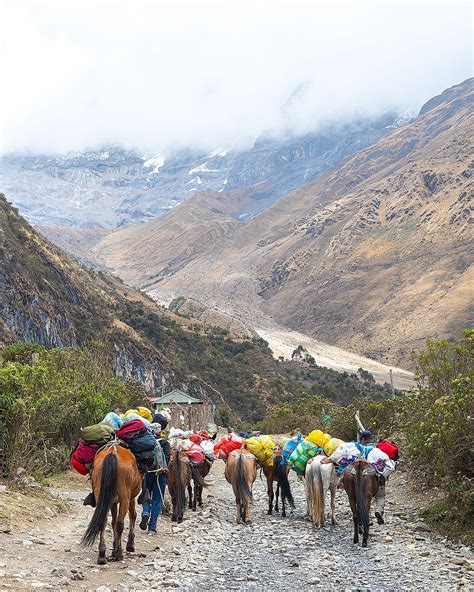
89, 500
379, 517
144, 521
152, 531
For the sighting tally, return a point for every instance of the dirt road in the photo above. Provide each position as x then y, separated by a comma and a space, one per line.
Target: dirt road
210, 552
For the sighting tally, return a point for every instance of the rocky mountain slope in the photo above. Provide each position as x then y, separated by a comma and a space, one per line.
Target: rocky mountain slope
114, 187
374, 256
47, 297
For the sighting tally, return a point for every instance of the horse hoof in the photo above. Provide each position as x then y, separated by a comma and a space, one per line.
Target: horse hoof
194, 509
102, 560
355, 541
364, 543
173, 519
131, 548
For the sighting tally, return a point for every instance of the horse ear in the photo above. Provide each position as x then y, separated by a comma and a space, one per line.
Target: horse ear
213, 438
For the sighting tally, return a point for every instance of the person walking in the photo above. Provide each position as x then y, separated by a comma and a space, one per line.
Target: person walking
156, 482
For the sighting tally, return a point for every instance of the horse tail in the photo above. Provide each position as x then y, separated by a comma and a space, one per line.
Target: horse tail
317, 494
282, 480
197, 477
108, 487
361, 506
243, 490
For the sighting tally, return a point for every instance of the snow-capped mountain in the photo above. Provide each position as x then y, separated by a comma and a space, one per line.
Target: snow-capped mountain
113, 187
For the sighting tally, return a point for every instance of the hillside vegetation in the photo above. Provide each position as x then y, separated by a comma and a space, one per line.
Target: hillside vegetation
432, 426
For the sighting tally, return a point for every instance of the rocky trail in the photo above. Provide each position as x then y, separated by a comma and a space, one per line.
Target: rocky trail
208, 551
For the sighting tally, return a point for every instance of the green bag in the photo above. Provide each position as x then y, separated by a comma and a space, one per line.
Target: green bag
100, 432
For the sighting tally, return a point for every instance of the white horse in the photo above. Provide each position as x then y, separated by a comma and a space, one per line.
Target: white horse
318, 480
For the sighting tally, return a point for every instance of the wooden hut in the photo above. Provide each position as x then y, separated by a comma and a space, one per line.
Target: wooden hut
186, 412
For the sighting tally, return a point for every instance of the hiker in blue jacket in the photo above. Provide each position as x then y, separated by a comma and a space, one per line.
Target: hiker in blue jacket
156, 481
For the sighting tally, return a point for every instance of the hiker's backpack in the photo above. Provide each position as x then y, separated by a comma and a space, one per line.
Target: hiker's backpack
83, 455
99, 432
131, 429
389, 448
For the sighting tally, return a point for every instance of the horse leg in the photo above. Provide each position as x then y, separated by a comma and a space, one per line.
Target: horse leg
276, 497
190, 494
333, 503
199, 494
239, 510
365, 536
123, 509
113, 511
132, 516
102, 559
270, 494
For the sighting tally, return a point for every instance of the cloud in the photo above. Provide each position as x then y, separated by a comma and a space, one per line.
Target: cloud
161, 75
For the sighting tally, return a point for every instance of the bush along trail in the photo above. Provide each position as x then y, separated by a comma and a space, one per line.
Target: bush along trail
209, 551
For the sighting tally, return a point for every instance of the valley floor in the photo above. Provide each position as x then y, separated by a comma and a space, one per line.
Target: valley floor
208, 551
284, 341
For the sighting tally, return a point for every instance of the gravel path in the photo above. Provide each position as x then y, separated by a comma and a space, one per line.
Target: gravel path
210, 552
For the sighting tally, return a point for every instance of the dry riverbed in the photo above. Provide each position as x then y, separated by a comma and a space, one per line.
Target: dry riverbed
208, 551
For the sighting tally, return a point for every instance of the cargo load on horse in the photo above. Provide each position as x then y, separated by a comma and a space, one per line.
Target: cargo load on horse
227, 444
289, 447
262, 448
93, 438
301, 454
389, 448
140, 441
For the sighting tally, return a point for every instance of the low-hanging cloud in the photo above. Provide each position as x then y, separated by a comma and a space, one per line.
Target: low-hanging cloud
157, 76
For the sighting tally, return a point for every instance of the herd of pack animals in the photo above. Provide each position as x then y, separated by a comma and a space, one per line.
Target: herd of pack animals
117, 481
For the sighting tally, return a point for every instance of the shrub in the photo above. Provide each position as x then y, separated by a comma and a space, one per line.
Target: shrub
46, 402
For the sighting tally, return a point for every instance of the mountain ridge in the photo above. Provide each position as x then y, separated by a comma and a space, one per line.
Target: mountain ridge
392, 219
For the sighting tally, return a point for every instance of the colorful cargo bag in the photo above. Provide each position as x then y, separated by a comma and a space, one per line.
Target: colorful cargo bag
289, 447
301, 455
389, 448
227, 444
262, 448
195, 454
332, 445
99, 432
83, 455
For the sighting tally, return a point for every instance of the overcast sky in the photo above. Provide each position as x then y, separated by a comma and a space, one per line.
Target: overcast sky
160, 75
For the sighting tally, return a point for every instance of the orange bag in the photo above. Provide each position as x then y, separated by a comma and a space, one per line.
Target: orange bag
226, 444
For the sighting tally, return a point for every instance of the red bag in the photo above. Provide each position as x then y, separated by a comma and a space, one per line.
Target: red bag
195, 454
83, 455
226, 444
196, 438
130, 429
389, 448
80, 468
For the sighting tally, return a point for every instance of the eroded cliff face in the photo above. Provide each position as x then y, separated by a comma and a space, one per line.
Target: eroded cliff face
46, 297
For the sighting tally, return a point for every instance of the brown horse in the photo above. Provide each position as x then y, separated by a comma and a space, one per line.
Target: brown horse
361, 485
116, 482
180, 473
278, 472
241, 472
195, 490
